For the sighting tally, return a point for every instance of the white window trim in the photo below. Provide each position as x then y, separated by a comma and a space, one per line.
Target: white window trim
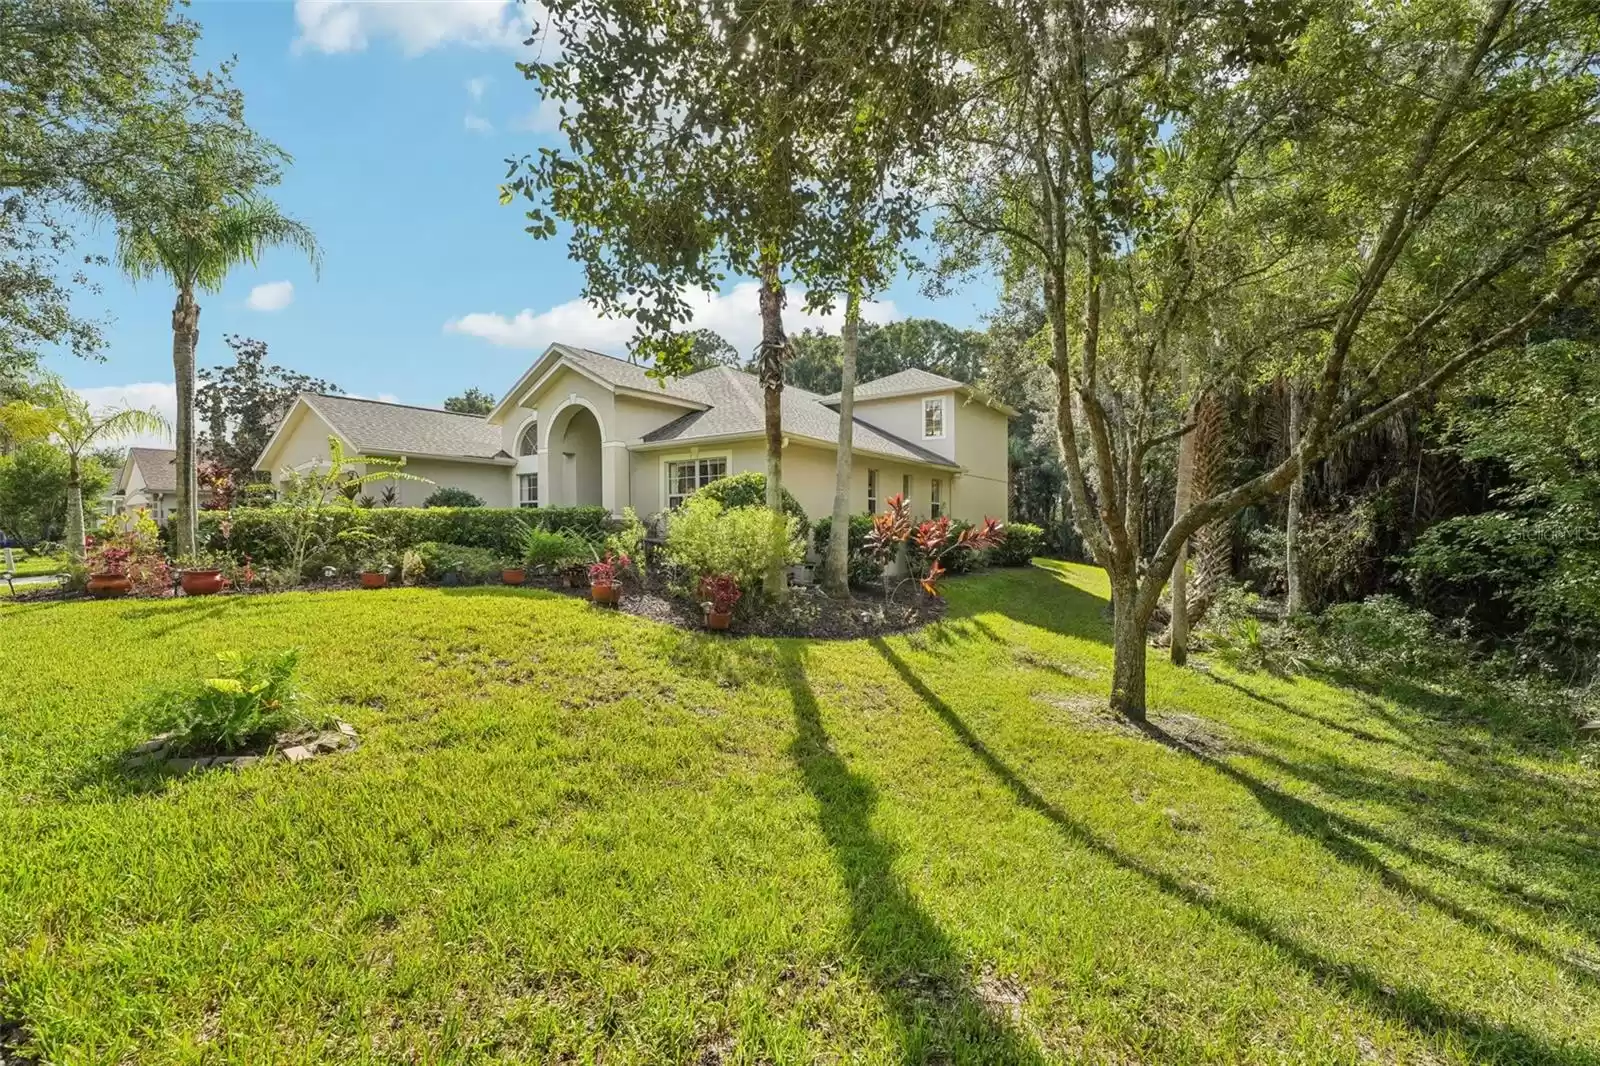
874, 489
936, 499
694, 456
537, 491
522, 431
944, 417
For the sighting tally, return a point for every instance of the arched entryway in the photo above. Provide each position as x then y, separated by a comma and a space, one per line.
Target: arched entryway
572, 459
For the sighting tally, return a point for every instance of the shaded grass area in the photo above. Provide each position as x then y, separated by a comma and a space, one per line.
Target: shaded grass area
571, 835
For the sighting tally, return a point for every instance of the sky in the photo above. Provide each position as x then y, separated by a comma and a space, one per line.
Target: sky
400, 117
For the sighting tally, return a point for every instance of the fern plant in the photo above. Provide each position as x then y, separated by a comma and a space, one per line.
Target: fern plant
249, 700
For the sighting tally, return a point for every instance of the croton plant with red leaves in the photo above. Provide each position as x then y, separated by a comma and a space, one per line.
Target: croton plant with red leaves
720, 593
894, 527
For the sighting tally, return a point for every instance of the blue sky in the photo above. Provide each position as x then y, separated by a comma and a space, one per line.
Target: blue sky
399, 117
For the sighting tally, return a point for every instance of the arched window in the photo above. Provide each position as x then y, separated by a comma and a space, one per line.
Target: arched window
529, 444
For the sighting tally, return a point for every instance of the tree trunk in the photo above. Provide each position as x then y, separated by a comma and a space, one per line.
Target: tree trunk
74, 507
1294, 599
836, 568
1213, 543
1179, 630
1128, 649
774, 352
185, 338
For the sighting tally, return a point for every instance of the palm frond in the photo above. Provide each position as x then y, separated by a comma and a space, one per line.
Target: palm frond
242, 231
128, 422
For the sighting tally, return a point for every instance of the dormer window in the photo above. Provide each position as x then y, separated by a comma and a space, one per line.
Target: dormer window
528, 444
933, 418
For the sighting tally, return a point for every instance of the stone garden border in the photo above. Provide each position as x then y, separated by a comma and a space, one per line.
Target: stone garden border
295, 747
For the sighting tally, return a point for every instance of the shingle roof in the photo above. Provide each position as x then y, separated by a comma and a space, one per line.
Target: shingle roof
376, 426
903, 382
625, 374
158, 467
737, 407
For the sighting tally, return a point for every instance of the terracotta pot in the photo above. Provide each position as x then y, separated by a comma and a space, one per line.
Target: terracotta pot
718, 619
374, 579
201, 582
611, 594
109, 586
514, 577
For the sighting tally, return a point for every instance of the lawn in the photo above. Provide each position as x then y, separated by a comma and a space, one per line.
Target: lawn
576, 836
31, 565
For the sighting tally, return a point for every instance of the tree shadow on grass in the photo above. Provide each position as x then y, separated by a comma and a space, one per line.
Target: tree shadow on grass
940, 1014
1488, 1041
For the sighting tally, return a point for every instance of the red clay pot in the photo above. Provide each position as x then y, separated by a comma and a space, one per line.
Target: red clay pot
718, 620
109, 586
514, 577
370, 580
611, 594
201, 582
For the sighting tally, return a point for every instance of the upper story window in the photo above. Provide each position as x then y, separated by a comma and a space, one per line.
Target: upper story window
933, 418
691, 474
528, 443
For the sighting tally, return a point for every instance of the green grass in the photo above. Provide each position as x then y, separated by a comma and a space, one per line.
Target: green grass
31, 565
572, 836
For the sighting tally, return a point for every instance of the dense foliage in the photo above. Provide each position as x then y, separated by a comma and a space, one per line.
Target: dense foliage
750, 490
704, 538
247, 700
449, 496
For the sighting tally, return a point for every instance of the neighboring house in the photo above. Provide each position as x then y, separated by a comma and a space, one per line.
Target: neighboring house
148, 479
582, 428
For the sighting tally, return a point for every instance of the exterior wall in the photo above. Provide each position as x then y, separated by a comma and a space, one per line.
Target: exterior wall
647, 479
902, 416
494, 485
636, 417
305, 442
980, 440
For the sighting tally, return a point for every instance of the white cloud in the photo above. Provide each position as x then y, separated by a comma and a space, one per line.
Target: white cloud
477, 124
545, 117
733, 314
476, 86
161, 395
416, 25
272, 296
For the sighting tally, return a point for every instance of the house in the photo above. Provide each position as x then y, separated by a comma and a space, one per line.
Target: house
148, 479
582, 428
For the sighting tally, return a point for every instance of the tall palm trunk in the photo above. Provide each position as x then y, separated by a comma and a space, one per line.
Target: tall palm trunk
836, 569
1294, 599
185, 337
1179, 630
75, 534
774, 349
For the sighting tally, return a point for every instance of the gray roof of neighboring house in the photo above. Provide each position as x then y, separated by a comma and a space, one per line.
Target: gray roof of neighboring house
737, 408
158, 467
377, 426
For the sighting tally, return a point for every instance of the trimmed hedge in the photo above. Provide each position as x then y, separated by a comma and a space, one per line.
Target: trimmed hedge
861, 569
750, 490
450, 496
256, 530
1022, 542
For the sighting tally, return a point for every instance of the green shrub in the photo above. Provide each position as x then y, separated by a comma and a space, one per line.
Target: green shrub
549, 551
705, 538
750, 490
263, 533
1384, 634
250, 699
1022, 542
473, 566
452, 497
861, 567
960, 561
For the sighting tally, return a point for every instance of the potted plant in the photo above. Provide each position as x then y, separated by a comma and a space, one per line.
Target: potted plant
108, 569
512, 573
200, 573
603, 584
375, 571
719, 594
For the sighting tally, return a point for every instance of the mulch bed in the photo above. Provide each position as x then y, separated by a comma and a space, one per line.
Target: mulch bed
808, 611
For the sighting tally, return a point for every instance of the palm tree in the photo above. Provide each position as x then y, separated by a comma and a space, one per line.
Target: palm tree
64, 416
205, 232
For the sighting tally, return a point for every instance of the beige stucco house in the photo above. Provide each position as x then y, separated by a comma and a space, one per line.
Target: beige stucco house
582, 428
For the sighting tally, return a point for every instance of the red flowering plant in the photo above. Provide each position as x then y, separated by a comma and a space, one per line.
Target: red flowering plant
606, 570
892, 529
720, 593
130, 546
